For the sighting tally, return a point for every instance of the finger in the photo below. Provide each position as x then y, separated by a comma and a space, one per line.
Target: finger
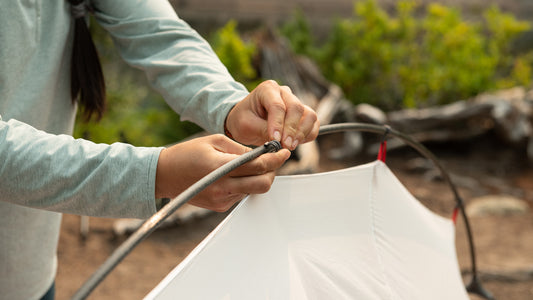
229, 190
275, 107
263, 164
314, 132
293, 115
257, 184
309, 126
220, 204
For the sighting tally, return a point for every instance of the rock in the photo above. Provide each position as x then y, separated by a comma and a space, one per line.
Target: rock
496, 205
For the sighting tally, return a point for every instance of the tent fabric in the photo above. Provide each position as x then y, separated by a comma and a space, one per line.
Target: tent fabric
355, 233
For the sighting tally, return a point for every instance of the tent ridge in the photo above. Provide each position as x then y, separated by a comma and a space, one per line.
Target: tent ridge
372, 199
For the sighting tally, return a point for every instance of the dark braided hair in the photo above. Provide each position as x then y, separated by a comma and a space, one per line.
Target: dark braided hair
87, 78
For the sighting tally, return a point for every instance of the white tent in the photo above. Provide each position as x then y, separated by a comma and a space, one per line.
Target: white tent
356, 233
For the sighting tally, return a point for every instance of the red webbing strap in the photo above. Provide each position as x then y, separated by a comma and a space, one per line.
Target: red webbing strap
382, 154
454, 214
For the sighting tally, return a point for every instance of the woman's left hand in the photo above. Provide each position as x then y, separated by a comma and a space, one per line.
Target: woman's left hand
272, 112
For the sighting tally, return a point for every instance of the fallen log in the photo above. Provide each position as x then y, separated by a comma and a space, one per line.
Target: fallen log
503, 275
508, 113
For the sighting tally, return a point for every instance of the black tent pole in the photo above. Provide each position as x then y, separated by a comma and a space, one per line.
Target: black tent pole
475, 285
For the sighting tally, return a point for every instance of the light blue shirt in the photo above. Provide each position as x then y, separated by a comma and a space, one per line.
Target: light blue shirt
42, 167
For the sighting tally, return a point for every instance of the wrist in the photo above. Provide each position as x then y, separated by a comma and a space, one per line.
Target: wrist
160, 175
227, 132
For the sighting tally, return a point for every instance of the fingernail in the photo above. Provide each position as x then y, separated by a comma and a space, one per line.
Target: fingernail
288, 141
295, 144
277, 136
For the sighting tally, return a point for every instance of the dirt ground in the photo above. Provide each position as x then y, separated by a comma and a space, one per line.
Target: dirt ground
504, 243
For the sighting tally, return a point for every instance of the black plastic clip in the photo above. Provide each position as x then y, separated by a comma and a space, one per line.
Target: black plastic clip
273, 146
386, 133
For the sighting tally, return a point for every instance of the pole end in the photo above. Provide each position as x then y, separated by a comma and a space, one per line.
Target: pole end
273, 146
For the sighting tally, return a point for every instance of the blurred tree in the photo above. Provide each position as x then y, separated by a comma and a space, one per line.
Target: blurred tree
235, 54
407, 61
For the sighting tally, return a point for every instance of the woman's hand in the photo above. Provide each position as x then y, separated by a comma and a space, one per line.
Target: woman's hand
181, 165
272, 112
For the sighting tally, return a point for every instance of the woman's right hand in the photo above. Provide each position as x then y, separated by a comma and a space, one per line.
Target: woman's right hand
183, 164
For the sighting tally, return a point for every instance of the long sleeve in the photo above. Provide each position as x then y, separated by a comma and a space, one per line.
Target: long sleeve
59, 173
178, 62
50, 171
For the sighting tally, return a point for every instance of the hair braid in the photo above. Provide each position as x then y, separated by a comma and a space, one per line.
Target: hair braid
87, 79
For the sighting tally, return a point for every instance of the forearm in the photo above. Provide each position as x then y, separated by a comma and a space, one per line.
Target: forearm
59, 173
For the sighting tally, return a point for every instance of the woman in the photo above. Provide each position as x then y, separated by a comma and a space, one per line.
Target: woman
45, 172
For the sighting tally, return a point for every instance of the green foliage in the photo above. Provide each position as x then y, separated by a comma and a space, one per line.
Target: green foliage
298, 31
406, 61
136, 118
235, 54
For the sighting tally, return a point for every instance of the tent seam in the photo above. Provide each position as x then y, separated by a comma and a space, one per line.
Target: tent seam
375, 238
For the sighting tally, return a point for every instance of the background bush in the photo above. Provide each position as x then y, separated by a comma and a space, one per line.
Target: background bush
236, 54
403, 60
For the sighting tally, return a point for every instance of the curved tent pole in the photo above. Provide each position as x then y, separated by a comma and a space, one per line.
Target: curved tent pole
155, 221
475, 285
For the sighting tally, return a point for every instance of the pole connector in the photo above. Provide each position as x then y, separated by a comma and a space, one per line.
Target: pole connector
273, 146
